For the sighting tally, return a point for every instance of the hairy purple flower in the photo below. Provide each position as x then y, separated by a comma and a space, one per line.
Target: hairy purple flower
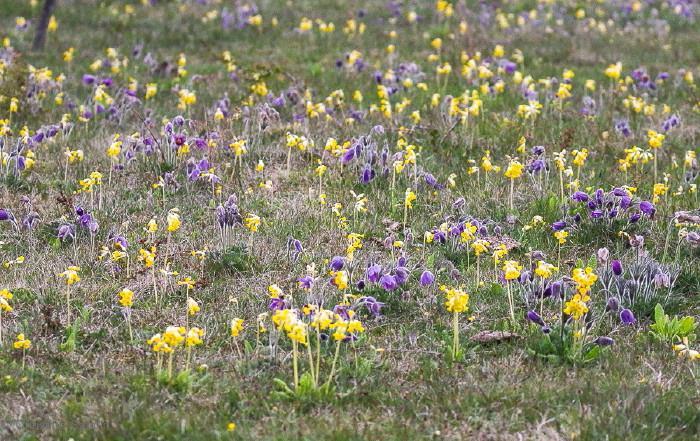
374, 273
616, 267
305, 282
579, 196
337, 263
371, 304
647, 208
388, 282
627, 317
427, 278
613, 304
535, 318
558, 225
604, 341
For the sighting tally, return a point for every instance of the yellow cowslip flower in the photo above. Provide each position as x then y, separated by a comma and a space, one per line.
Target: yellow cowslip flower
479, 246
152, 226
71, 275
585, 279
655, 139
576, 307
456, 299
126, 298
194, 337
275, 291
148, 257
151, 90
173, 220
409, 198
511, 269
468, 234
561, 236
236, 327
252, 222
614, 71
114, 148
174, 336
545, 270
22, 342
340, 280
514, 170
187, 282
192, 306
5, 305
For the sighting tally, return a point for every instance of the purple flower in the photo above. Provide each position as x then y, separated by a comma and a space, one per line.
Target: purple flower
579, 196
604, 341
66, 231
388, 282
616, 267
401, 275
427, 278
558, 225
374, 272
647, 208
627, 317
305, 282
277, 304
371, 304
535, 318
6, 215
613, 304
337, 263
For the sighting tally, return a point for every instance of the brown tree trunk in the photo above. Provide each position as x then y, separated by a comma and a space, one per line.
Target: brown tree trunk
40, 36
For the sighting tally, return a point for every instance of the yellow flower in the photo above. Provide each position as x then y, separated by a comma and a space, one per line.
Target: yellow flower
561, 236
187, 281
511, 269
340, 280
514, 170
147, 257
192, 306
409, 198
614, 71
275, 291
22, 343
457, 300
545, 270
252, 222
126, 298
236, 327
576, 307
173, 220
152, 226
480, 246
655, 140
230, 427
71, 275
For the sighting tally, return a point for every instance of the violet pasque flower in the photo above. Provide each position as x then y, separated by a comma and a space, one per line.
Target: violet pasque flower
535, 318
627, 317
427, 278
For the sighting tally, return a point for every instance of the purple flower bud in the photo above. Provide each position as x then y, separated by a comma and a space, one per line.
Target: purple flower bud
5, 215
580, 196
613, 304
535, 318
388, 282
604, 341
647, 208
427, 278
627, 317
401, 275
305, 282
558, 225
616, 267
374, 272
337, 263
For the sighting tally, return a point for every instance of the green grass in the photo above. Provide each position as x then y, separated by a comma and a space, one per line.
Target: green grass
396, 381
